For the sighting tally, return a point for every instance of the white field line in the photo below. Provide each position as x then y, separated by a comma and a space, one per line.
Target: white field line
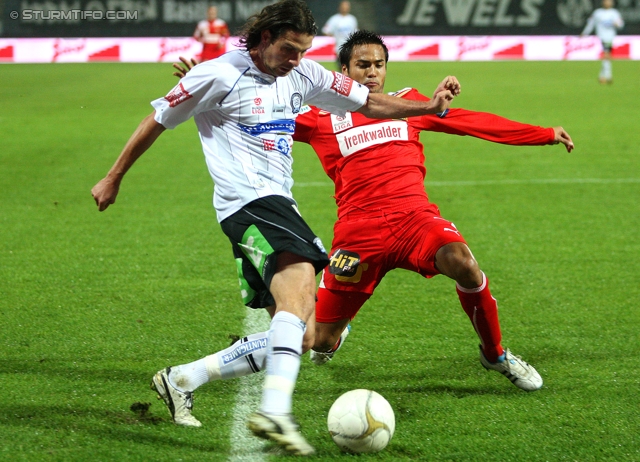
502, 182
244, 446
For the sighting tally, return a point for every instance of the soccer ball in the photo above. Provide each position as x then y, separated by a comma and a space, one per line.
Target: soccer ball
361, 421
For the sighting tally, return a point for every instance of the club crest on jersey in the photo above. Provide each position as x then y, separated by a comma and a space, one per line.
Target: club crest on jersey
296, 102
346, 266
341, 84
340, 123
178, 95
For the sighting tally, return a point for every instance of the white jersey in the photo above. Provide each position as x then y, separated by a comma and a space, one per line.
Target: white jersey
246, 120
340, 27
607, 22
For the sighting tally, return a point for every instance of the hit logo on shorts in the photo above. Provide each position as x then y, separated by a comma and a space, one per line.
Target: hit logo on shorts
346, 266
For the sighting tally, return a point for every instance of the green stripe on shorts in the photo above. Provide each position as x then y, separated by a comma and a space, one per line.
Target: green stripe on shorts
256, 248
248, 294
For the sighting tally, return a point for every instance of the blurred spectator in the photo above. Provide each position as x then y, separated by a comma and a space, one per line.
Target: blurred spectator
607, 21
340, 26
213, 33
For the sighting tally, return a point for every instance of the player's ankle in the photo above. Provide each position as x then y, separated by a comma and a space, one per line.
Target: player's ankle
495, 355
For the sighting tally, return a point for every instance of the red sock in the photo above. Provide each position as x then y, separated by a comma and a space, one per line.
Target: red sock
482, 310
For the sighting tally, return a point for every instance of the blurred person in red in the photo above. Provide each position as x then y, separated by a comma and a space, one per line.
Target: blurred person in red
212, 33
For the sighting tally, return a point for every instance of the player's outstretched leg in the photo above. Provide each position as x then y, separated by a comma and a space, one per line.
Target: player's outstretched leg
176, 384
179, 402
322, 358
522, 374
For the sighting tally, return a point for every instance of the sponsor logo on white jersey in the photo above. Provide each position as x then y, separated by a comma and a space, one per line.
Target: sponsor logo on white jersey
279, 143
177, 95
359, 138
341, 84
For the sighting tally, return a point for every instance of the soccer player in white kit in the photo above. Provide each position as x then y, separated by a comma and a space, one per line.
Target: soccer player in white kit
340, 26
607, 21
245, 104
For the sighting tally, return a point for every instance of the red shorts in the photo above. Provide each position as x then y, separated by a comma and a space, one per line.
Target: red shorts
366, 247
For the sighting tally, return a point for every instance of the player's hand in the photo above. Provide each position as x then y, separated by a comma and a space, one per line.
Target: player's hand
441, 100
105, 192
563, 137
188, 65
449, 83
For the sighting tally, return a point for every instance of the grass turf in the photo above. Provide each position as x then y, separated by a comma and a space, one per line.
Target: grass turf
93, 303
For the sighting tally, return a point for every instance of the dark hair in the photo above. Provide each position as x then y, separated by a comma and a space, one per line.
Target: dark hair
361, 37
279, 18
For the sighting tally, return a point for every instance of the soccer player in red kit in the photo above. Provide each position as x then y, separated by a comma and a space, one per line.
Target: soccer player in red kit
212, 32
385, 219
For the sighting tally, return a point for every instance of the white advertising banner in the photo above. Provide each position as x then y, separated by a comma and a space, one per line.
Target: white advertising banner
401, 48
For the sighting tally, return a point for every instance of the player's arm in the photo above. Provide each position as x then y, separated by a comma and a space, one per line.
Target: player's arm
383, 106
495, 128
197, 34
327, 29
588, 28
106, 190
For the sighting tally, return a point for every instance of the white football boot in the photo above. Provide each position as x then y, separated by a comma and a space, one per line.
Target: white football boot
280, 429
322, 358
522, 374
179, 402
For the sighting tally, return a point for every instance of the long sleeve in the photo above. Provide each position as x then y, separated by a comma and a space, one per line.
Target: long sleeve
488, 127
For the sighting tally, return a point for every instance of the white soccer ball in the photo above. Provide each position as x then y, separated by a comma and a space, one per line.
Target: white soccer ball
361, 421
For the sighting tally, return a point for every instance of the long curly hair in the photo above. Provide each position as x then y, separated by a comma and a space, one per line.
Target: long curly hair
279, 18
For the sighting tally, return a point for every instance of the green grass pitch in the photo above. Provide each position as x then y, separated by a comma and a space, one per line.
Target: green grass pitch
92, 304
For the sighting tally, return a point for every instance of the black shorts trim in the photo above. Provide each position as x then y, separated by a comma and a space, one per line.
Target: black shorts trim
259, 232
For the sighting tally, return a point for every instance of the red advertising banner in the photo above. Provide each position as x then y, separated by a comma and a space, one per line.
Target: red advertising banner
401, 48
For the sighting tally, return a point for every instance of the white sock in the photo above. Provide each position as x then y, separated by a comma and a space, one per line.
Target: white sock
283, 362
244, 357
606, 69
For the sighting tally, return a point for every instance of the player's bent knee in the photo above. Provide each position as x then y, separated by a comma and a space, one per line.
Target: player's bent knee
468, 273
326, 337
308, 341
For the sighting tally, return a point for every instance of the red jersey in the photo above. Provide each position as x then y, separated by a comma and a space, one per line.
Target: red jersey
213, 35
379, 163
